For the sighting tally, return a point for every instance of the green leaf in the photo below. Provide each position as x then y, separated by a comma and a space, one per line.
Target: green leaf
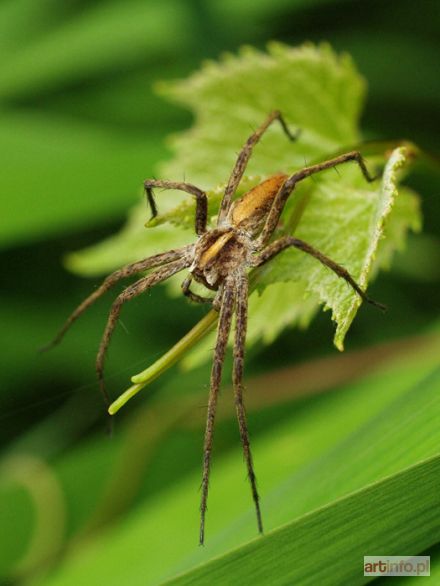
346, 222
288, 555
316, 90
298, 283
369, 444
338, 213
206, 153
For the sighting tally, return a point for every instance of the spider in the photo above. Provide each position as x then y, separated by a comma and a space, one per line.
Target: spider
220, 260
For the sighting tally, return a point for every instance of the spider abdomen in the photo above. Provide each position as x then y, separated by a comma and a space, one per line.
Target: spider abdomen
250, 211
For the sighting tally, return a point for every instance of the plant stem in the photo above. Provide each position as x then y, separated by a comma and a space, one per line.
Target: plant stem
168, 359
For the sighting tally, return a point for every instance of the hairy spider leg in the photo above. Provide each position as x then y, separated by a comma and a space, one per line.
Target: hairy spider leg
290, 183
237, 379
129, 293
201, 216
287, 241
223, 329
243, 159
186, 290
111, 280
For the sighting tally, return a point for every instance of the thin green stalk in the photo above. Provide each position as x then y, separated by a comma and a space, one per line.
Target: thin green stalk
168, 359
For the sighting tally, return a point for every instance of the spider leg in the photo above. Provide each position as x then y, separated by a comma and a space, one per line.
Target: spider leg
201, 199
127, 271
186, 290
224, 326
237, 377
289, 185
243, 159
287, 241
129, 293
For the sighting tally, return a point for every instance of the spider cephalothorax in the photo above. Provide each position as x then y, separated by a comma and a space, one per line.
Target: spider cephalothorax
219, 253
220, 260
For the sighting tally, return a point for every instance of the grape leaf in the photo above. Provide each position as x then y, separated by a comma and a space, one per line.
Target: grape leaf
338, 213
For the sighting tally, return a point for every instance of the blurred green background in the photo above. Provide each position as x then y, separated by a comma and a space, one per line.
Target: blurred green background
80, 129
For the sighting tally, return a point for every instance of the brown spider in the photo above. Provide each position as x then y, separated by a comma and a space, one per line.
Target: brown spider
220, 260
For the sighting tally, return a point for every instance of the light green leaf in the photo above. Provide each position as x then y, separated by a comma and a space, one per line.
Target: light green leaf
315, 89
351, 236
338, 213
205, 154
345, 220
